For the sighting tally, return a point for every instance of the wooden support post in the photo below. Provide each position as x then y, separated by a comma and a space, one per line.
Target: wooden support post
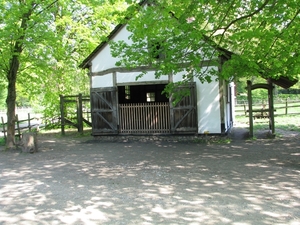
62, 114
4, 128
18, 127
249, 84
286, 106
29, 125
79, 114
271, 107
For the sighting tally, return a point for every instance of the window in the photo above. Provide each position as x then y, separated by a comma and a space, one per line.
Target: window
150, 96
156, 50
127, 92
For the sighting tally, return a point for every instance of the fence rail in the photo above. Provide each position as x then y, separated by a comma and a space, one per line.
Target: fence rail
74, 119
144, 118
22, 125
281, 108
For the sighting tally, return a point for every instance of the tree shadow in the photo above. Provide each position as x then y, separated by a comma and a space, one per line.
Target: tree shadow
88, 182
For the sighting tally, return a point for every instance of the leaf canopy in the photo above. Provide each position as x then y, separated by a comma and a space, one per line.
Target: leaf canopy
263, 35
57, 37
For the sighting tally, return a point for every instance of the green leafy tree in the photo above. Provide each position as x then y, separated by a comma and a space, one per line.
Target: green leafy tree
42, 42
263, 35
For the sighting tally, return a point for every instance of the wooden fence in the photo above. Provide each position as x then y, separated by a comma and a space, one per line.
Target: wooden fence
281, 108
73, 119
22, 125
144, 118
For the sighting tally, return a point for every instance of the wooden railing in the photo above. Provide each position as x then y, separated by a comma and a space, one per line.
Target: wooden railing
144, 118
22, 125
281, 107
76, 104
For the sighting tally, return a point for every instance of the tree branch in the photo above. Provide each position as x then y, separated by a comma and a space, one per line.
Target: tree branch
47, 7
286, 27
246, 16
226, 14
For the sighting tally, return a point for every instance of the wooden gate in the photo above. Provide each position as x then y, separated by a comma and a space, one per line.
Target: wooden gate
184, 113
104, 111
144, 118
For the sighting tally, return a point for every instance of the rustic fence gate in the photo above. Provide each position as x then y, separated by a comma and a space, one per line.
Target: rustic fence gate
104, 111
184, 113
70, 118
144, 118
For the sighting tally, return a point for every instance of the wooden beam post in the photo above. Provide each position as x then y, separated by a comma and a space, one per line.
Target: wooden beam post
249, 84
271, 107
4, 128
62, 114
79, 113
18, 126
29, 125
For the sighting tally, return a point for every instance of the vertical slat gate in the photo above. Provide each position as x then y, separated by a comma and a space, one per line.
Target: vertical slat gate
184, 113
143, 118
104, 111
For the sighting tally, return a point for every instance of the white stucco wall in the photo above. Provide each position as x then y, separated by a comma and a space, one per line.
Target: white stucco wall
123, 78
104, 60
102, 81
208, 107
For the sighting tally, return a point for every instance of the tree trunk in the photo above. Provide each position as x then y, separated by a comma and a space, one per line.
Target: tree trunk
12, 78
11, 101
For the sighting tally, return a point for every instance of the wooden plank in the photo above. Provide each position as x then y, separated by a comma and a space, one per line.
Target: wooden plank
104, 109
79, 114
184, 113
203, 63
3, 127
144, 118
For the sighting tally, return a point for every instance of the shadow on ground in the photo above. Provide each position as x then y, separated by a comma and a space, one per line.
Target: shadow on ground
87, 181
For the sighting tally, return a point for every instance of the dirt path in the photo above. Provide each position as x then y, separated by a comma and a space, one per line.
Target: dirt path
87, 181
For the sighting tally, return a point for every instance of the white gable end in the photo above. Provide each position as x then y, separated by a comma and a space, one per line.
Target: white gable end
104, 59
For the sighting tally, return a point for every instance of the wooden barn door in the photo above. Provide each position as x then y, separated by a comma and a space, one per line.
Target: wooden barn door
104, 111
184, 113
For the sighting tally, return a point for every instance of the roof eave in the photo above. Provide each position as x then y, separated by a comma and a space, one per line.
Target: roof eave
86, 63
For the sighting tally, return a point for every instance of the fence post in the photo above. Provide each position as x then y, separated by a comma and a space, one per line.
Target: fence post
286, 106
62, 118
251, 132
4, 128
18, 127
79, 113
29, 125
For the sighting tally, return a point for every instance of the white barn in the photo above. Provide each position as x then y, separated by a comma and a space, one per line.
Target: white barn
120, 104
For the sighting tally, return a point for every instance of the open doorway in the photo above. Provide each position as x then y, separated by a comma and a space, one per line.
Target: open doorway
143, 109
141, 93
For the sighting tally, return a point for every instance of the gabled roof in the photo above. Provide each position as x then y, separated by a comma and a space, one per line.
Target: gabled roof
86, 62
284, 82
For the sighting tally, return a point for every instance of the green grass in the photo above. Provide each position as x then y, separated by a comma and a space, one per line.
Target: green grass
69, 132
283, 122
2, 141
293, 108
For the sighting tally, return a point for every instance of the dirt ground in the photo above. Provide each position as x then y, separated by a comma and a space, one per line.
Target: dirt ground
74, 180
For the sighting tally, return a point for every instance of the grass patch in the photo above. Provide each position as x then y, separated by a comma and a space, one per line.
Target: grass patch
70, 132
283, 122
212, 140
2, 141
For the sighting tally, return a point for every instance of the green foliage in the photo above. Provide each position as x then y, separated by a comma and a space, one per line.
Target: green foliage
55, 39
264, 35
2, 97
2, 141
